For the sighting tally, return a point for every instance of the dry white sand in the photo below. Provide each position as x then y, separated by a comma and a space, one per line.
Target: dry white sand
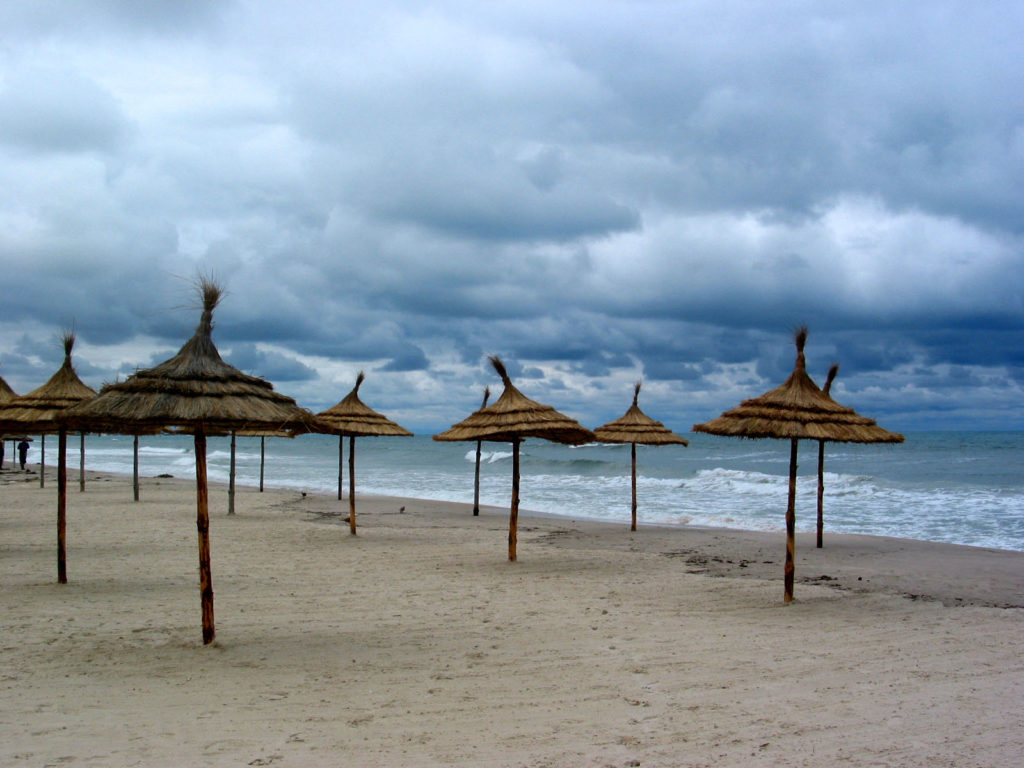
416, 643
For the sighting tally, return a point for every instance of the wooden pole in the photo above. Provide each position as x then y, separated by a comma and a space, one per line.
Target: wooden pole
821, 491
341, 463
62, 505
42, 461
352, 484
135, 467
203, 527
231, 477
791, 523
263, 457
634, 485
81, 468
476, 481
479, 446
513, 515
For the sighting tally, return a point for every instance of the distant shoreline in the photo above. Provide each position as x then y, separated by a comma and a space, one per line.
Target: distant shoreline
856, 562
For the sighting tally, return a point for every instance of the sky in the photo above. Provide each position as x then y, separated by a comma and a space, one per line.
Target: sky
598, 192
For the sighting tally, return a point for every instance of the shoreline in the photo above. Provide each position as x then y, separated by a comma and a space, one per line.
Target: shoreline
911, 568
416, 642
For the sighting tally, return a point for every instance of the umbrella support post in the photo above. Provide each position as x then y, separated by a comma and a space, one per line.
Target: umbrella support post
791, 523
81, 468
821, 492
352, 484
476, 481
513, 515
135, 467
263, 456
42, 461
633, 446
62, 502
341, 464
231, 478
203, 527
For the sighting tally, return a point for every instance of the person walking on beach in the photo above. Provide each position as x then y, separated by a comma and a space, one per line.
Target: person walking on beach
22, 453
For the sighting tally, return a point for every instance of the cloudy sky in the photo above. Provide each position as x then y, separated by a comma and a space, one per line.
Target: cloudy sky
597, 191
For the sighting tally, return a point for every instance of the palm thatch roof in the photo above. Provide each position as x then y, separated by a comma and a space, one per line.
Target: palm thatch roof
511, 419
6, 393
798, 409
40, 411
635, 426
868, 430
514, 417
193, 389
352, 417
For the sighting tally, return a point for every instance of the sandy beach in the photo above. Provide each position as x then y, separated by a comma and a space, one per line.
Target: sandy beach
416, 643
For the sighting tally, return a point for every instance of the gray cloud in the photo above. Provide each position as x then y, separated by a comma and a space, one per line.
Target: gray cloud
598, 192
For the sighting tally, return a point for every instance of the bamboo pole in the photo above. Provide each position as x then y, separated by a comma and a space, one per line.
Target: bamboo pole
633, 452
791, 523
81, 467
135, 467
263, 457
341, 463
821, 491
513, 516
476, 480
203, 527
62, 505
352, 484
231, 477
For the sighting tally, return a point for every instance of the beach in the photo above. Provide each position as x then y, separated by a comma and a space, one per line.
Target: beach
416, 642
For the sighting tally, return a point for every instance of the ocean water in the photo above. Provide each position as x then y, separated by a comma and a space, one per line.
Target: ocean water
957, 487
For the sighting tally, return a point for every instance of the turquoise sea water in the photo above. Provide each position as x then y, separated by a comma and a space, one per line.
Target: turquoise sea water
958, 487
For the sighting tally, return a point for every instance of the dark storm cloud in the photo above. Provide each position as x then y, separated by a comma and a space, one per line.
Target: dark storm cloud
598, 192
269, 365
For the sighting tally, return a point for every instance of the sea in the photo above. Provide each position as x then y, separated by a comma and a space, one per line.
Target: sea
956, 487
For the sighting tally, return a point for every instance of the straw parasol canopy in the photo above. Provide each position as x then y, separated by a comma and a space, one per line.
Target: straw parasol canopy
876, 435
511, 419
634, 427
40, 412
797, 410
196, 392
353, 418
6, 393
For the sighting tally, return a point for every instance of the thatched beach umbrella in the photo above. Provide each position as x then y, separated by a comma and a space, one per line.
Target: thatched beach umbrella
511, 419
40, 412
871, 434
637, 427
6, 395
262, 434
37, 412
198, 393
479, 450
796, 410
353, 418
